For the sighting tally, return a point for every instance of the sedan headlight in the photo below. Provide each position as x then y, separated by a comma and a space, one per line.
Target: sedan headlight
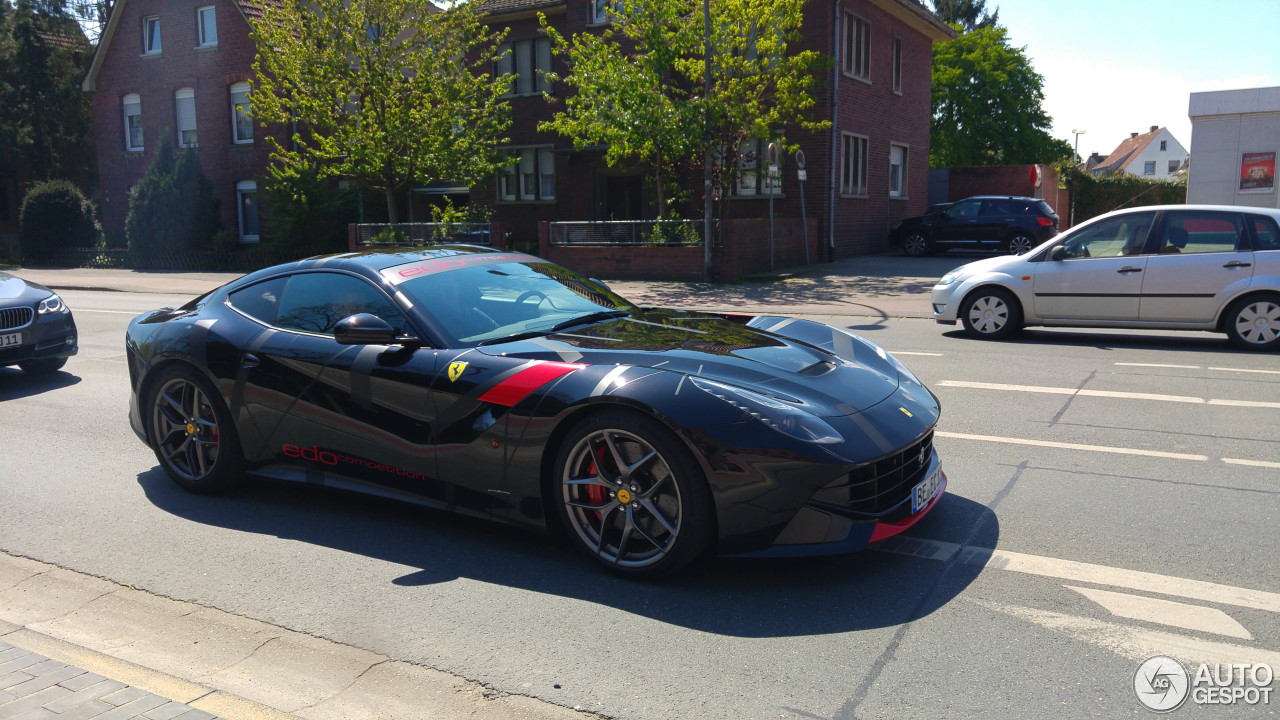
777, 414
51, 304
951, 277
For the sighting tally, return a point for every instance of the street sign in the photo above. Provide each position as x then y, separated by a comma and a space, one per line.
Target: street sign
800, 161
773, 154
802, 175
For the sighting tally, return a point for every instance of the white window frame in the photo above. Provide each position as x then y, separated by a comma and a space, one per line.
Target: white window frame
246, 187
189, 96
897, 65
1149, 167
900, 191
531, 178
1173, 166
206, 30
240, 88
853, 167
149, 22
600, 11
529, 60
856, 62
752, 178
135, 100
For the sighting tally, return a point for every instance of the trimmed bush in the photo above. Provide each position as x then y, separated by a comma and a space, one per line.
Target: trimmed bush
55, 215
173, 208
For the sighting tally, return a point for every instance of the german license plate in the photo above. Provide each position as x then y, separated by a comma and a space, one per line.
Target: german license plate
10, 340
925, 491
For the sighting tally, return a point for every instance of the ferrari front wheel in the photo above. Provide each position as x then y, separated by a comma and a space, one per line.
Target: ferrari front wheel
191, 432
634, 498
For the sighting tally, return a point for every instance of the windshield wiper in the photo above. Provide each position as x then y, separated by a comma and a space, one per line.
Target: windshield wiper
571, 322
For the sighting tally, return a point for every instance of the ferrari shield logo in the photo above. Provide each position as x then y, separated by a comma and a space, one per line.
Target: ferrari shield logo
455, 370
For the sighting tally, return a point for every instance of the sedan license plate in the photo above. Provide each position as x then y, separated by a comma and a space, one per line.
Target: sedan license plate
925, 491
10, 340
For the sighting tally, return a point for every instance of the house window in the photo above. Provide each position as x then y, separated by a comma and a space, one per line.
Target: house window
184, 102
853, 165
1149, 167
897, 171
897, 64
528, 60
241, 114
150, 35
1164, 145
133, 123
857, 47
600, 11
753, 170
1173, 166
247, 204
207, 26
532, 177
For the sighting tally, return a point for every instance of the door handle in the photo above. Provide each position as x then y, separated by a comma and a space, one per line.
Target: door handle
1129, 269
249, 361
1237, 263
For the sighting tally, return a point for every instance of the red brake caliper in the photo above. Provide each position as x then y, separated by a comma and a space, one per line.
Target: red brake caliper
595, 493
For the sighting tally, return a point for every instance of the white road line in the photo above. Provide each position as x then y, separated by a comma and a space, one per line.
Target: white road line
1072, 446
1002, 386
1245, 403
1073, 571
1246, 370
112, 312
1106, 393
1161, 365
1142, 396
1252, 463
1166, 612
904, 352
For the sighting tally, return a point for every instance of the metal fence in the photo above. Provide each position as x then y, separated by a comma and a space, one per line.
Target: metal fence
422, 233
628, 232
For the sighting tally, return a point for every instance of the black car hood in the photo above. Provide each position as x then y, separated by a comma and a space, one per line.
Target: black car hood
14, 291
834, 372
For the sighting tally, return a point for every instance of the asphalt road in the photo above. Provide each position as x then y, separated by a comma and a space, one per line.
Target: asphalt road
1112, 496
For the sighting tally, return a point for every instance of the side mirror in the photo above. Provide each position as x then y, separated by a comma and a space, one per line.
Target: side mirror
1058, 253
364, 329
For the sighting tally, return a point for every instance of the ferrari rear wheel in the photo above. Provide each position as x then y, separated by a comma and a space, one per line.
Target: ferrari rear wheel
192, 434
634, 497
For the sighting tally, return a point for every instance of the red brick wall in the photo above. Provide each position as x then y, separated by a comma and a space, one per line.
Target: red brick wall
208, 71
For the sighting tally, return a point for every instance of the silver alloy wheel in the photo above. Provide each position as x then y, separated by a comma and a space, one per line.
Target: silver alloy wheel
1258, 323
185, 429
622, 498
915, 244
1020, 244
989, 314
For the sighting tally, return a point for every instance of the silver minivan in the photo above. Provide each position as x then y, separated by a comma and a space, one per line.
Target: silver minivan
1165, 267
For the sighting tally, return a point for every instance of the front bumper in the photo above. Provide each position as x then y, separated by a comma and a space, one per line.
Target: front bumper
47, 337
946, 303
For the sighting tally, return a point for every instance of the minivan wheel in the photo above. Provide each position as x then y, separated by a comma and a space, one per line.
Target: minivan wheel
1253, 323
915, 244
1021, 244
991, 313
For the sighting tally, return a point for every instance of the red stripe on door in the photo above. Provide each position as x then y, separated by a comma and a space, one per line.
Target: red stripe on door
518, 386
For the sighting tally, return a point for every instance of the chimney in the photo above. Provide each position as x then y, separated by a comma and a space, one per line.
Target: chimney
1133, 135
1155, 128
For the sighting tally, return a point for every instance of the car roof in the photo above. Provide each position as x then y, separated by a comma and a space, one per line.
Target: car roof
371, 261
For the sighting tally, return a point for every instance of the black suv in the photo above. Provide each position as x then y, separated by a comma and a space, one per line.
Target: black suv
1005, 223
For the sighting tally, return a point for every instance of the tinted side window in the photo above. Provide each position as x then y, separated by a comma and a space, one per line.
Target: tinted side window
259, 300
1201, 232
315, 302
1001, 207
1265, 234
1113, 237
964, 209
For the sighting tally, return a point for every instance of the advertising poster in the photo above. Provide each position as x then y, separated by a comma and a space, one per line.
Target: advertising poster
1257, 172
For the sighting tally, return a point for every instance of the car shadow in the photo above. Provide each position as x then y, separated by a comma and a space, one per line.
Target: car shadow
741, 597
1200, 342
16, 383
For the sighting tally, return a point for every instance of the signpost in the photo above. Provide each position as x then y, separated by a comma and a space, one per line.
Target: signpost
801, 175
773, 174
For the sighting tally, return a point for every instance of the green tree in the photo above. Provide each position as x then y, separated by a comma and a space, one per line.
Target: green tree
388, 95
968, 14
987, 104
639, 91
173, 207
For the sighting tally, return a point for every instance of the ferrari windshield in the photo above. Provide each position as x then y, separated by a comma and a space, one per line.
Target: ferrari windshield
484, 302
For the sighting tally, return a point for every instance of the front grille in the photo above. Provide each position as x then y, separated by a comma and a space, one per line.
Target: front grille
881, 484
14, 318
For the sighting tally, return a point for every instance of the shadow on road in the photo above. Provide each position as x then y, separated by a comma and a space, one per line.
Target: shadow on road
726, 596
16, 383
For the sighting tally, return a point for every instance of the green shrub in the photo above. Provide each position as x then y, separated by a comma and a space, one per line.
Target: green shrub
673, 233
303, 210
172, 208
390, 235
56, 215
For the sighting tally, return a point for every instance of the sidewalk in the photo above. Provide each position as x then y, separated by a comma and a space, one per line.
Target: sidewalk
870, 286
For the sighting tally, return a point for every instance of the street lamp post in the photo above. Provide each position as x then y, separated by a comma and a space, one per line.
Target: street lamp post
1078, 133
706, 155
1072, 218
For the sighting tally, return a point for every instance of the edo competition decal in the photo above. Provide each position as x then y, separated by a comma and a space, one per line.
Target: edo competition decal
456, 369
324, 457
400, 273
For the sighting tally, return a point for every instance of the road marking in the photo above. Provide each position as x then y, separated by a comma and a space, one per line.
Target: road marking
922, 354
1166, 612
1161, 365
1251, 463
1074, 571
1106, 393
1136, 643
1246, 370
1073, 446
1245, 403
111, 312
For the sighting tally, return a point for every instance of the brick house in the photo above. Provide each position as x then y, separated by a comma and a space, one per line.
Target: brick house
864, 175
177, 71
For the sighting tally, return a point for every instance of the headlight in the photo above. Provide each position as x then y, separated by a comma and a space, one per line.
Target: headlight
51, 304
786, 419
951, 277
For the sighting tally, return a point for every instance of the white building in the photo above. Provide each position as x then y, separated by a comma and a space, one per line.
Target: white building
1235, 137
1155, 154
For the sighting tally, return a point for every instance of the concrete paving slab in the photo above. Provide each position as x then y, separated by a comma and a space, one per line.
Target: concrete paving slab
294, 671
44, 596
